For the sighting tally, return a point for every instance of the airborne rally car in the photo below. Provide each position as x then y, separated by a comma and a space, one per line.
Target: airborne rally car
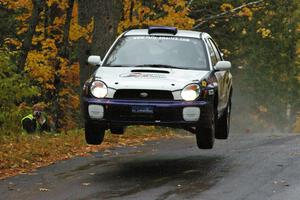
160, 76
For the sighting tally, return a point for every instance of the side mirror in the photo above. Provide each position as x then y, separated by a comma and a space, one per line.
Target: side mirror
222, 65
94, 60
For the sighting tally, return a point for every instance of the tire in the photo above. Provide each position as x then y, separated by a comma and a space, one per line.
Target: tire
223, 124
117, 130
205, 136
94, 133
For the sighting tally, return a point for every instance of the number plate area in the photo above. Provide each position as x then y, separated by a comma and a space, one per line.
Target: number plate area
142, 109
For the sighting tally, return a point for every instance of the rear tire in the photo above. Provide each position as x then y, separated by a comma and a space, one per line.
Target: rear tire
223, 124
205, 136
94, 133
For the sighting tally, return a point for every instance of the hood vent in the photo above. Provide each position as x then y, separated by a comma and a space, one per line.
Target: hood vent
150, 71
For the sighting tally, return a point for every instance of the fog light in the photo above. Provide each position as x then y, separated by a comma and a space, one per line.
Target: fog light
191, 114
96, 111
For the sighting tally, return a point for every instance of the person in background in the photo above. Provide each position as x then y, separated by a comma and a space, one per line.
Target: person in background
42, 121
36, 121
29, 123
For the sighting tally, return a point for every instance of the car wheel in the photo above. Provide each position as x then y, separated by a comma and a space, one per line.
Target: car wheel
205, 136
117, 130
94, 133
223, 124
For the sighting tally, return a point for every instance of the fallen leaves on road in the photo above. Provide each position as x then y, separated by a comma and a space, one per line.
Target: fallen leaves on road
86, 184
24, 153
44, 189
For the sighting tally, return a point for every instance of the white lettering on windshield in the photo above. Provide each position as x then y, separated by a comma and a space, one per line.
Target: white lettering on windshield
161, 38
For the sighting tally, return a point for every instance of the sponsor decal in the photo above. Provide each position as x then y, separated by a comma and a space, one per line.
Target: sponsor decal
203, 83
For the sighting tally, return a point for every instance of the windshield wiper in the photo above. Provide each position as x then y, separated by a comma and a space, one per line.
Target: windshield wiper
159, 66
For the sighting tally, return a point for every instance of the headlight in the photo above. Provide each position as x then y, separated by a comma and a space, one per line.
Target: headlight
98, 89
190, 92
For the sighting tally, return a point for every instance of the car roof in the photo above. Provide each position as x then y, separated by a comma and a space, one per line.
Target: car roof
180, 33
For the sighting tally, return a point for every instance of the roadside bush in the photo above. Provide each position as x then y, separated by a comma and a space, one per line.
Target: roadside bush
14, 89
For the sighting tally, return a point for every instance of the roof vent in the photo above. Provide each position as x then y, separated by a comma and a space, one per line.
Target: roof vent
162, 29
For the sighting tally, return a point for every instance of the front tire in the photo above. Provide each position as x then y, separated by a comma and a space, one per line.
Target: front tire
94, 133
205, 136
223, 124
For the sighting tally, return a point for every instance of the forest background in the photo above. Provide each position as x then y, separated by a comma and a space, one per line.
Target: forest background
44, 46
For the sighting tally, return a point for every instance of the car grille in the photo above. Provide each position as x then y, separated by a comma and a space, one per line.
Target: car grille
144, 95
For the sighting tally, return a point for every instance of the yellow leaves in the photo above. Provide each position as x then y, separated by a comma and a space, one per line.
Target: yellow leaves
265, 33
59, 21
62, 4
77, 31
50, 46
40, 69
173, 13
226, 7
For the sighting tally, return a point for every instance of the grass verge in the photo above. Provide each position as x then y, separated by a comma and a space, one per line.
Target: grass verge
24, 153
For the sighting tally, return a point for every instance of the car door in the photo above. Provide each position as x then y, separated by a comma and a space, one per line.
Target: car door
220, 75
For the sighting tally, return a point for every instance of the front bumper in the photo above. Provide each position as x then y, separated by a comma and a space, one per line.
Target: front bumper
165, 113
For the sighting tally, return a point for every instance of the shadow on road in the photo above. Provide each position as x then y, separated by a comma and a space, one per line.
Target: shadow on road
182, 175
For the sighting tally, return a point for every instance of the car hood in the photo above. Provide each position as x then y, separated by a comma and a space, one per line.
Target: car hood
148, 77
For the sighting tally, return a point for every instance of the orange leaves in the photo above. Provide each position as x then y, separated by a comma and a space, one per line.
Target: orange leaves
77, 31
69, 74
11, 41
246, 12
173, 13
16, 4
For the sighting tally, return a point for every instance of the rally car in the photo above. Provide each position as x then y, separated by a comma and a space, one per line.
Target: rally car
159, 76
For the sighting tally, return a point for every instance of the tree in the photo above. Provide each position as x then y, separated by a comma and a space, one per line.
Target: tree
259, 39
14, 89
37, 8
105, 15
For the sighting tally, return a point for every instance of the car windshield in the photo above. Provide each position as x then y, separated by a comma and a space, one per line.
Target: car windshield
158, 51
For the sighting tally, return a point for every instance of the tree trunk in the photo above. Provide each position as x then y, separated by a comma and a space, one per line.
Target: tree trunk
106, 16
64, 53
34, 19
65, 49
84, 18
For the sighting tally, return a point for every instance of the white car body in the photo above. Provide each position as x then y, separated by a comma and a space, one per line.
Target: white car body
191, 91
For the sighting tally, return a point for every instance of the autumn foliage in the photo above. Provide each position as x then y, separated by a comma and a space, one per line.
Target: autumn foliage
40, 41
137, 14
51, 64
